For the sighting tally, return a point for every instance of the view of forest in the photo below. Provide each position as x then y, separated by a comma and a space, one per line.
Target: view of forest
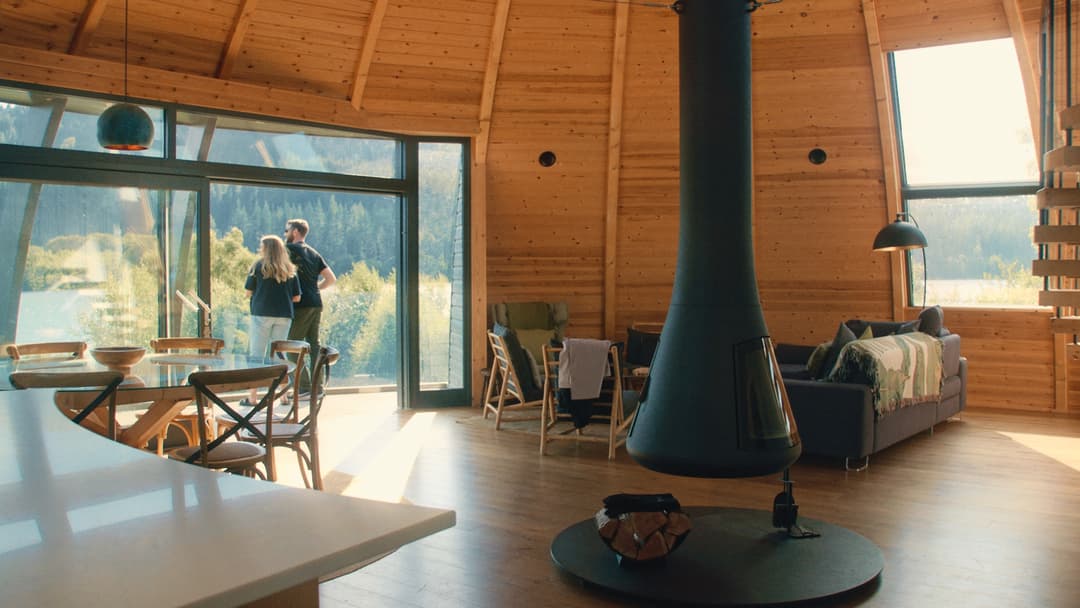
979, 251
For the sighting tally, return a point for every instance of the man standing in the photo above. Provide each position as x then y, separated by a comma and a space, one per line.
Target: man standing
315, 275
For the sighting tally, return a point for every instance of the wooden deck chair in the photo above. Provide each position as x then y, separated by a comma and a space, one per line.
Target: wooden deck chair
614, 410
80, 406
510, 387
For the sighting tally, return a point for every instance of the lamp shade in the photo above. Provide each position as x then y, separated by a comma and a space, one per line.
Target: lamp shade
125, 126
899, 235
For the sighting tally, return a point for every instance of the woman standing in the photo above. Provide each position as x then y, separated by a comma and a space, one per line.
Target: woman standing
273, 287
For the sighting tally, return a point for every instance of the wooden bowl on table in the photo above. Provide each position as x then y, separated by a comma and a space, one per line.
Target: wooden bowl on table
120, 358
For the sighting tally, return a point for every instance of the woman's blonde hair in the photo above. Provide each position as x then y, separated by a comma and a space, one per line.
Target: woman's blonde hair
275, 259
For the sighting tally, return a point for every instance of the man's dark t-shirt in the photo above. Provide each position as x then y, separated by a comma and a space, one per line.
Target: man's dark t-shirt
309, 264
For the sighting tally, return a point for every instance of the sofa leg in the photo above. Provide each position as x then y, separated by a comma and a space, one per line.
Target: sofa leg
862, 467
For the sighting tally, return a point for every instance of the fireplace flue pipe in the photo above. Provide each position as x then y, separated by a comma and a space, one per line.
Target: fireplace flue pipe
714, 403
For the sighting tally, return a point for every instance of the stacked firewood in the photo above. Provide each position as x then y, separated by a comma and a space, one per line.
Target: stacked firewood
642, 527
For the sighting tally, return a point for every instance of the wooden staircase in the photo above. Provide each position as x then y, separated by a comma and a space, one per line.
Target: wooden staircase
1058, 232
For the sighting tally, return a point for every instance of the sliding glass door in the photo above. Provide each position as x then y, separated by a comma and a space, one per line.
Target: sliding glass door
357, 234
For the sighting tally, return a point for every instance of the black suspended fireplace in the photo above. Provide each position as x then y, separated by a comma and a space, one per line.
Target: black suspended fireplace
714, 404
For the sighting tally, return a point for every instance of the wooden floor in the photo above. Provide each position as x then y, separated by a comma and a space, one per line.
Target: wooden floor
985, 512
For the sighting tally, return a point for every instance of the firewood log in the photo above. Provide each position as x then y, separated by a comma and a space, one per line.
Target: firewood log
642, 535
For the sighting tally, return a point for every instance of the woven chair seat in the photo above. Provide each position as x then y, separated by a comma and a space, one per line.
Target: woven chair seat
229, 455
283, 432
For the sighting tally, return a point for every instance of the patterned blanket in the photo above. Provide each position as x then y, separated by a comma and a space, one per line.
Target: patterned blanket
900, 370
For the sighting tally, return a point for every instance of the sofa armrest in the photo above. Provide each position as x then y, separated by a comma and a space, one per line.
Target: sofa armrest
793, 353
950, 355
833, 419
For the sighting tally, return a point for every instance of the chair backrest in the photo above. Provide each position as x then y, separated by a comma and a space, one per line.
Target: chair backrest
641, 345
297, 351
505, 367
618, 391
211, 346
76, 350
531, 315
209, 386
320, 379
80, 406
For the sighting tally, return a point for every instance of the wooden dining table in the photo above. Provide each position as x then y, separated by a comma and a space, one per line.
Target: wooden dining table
158, 380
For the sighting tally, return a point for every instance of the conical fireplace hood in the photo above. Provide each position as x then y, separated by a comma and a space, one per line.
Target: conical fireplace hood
714, 404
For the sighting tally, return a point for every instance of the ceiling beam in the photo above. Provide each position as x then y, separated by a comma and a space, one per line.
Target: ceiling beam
367, 52
889, 160
491, 76
20, 64
1028, 70
236, 37
614, 162
88, 23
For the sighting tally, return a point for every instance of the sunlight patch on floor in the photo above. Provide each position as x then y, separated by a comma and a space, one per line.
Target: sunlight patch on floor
1065, 450
384, 476
346, 422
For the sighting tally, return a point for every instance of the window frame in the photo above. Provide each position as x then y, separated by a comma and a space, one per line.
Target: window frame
90, 167
909, 192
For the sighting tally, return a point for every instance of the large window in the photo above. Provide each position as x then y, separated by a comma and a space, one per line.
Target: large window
969, 172
115, 248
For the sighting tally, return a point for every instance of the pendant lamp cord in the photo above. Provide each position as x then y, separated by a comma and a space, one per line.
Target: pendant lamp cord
924, 273
125, 50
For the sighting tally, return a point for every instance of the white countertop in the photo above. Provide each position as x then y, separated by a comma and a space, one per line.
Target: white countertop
89, 522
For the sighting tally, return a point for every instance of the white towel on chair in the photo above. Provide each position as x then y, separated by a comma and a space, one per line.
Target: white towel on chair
582, 366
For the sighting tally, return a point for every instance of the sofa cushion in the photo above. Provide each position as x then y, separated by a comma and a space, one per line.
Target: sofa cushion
908, 327
795, 371
842, 337
880, 329
817, 359
932, 320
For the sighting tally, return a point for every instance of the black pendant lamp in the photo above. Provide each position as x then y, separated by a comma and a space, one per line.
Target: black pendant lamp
125, 126
900, 235
714, 404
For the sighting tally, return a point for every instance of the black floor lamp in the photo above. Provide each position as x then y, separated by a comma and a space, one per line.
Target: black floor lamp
902, 235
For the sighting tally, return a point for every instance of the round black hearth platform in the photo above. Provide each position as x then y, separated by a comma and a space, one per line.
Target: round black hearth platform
732, 557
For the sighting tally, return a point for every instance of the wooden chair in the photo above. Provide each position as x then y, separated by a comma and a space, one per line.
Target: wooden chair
296, 351
80, 406
208, 346
74, 350
185, 422
239, 457
289, 391
616, 412
303, 437
509, 385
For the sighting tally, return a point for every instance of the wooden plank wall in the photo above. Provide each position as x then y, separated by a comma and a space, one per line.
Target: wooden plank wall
648, 221
546, 224
813, 88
